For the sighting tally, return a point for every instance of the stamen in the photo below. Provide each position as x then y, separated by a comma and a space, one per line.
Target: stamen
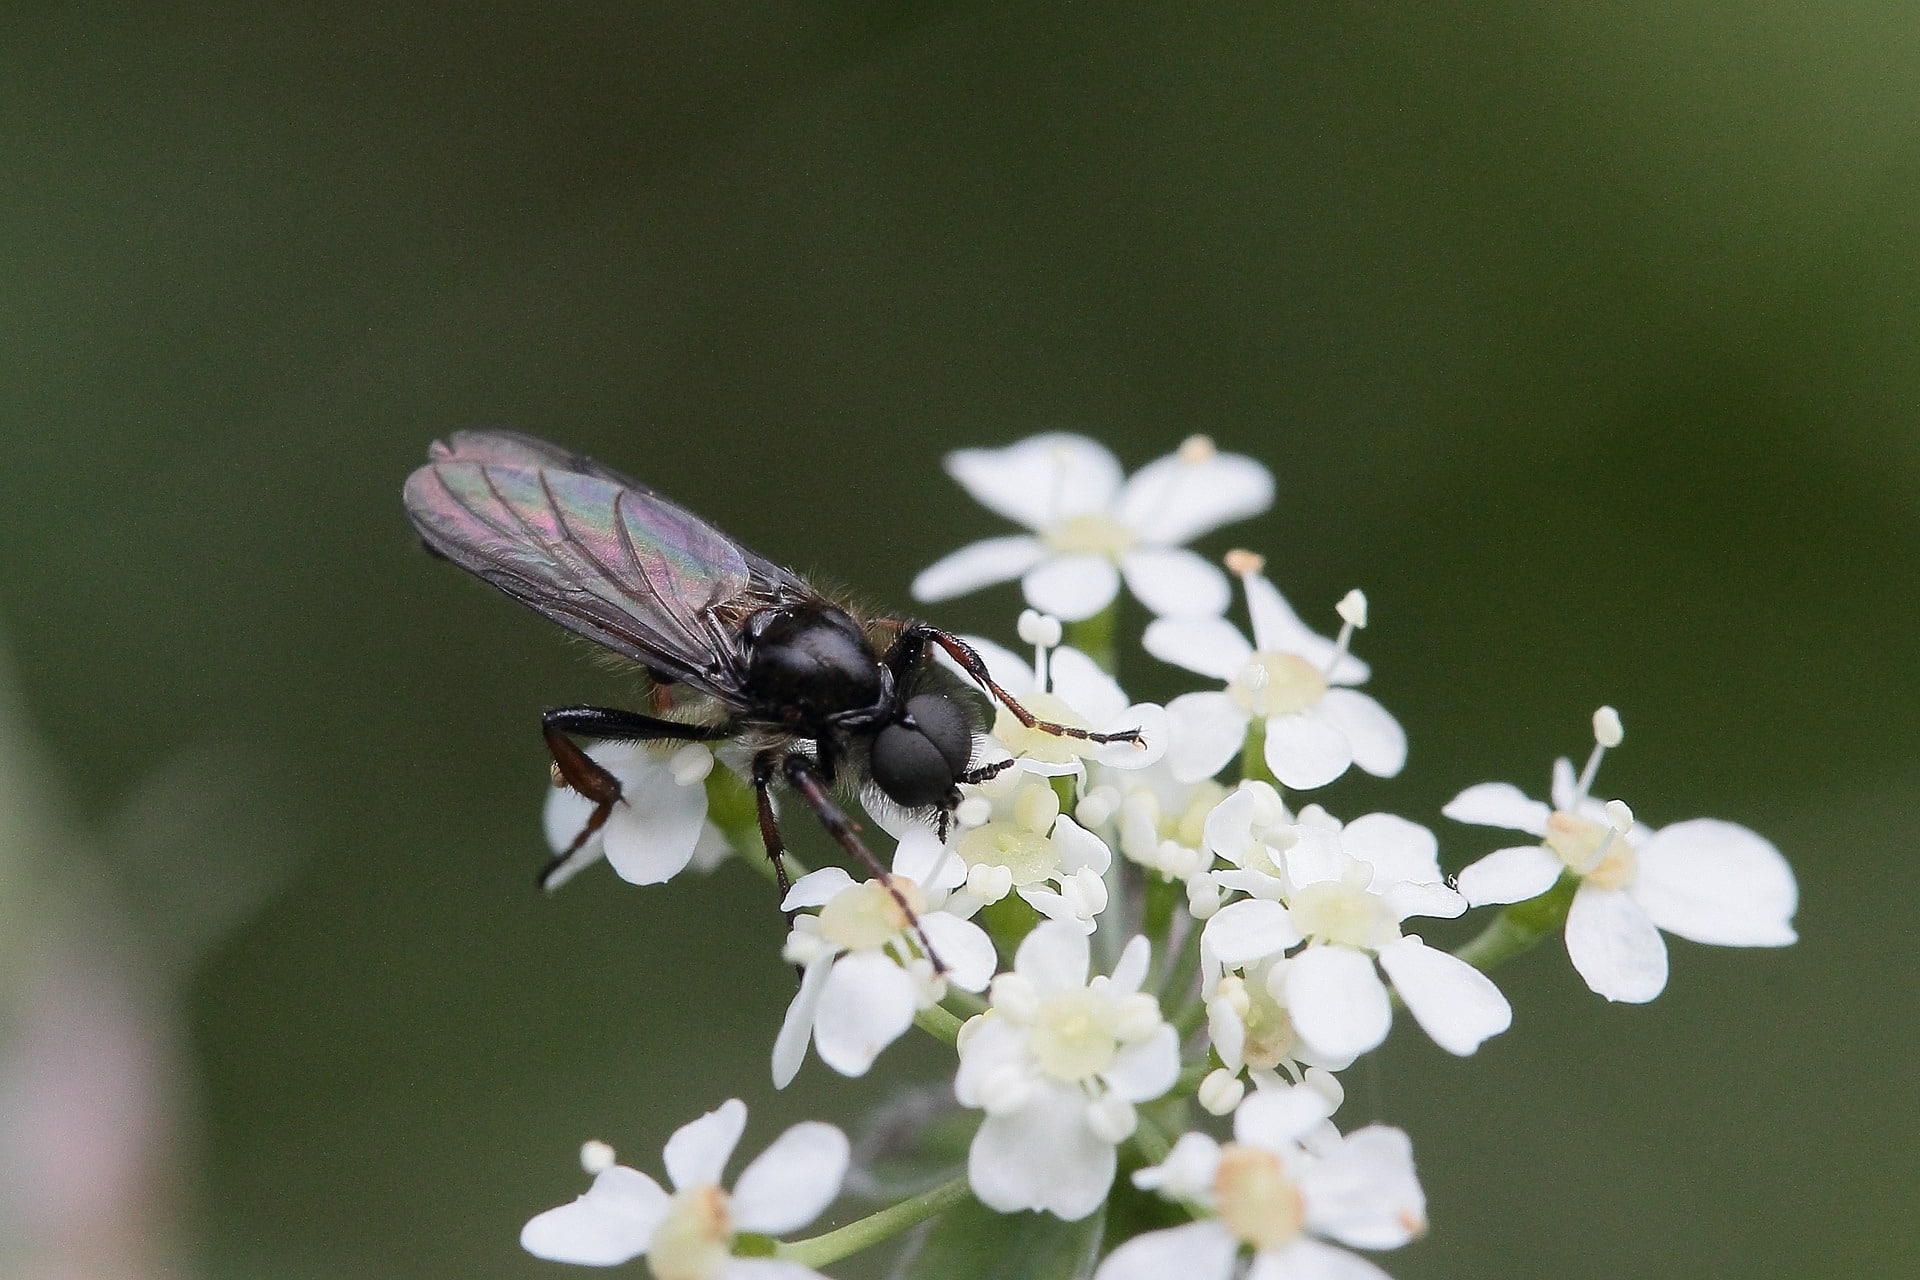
596, 1157
1607, 732
1619, 816
691, 764
1353, 616
1043, 632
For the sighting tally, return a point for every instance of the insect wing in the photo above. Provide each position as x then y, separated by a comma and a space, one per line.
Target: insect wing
516, 449
616, 564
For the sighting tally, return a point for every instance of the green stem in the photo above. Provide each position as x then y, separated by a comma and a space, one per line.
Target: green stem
875, 1227
938, 1023
1253, 755
1520, 927
1095, 636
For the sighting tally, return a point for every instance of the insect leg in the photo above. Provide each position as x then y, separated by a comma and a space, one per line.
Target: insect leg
915, 637
764, 767
801, 773
573, 767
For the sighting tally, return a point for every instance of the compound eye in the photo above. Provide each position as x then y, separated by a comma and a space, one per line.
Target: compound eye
918, 766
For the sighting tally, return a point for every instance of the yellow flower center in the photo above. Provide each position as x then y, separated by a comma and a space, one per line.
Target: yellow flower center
864, 916
1095, 533
1258, 1202
1019, 837
1074, 1035
1276, 684
1592, 850
1343, 913
691, 1242
1271, 1038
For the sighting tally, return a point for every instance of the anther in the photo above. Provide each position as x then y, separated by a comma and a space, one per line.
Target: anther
691, 764
1195, 450
1243, 563
1607, 729
1619, 816
596, 1157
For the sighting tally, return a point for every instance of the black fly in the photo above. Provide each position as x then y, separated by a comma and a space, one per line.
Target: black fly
815, 694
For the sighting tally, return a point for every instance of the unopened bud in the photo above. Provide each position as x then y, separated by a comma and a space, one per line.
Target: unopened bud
1221, 1092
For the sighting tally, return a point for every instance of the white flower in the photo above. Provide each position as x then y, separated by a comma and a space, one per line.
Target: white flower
1011, 837
1249, 1025
865, 976
1288, 677
1159, 821
659, 825
1268, 1192
1065, 686
1344, 890
689, 1235
1705, 880
1058, 1064
1092, 530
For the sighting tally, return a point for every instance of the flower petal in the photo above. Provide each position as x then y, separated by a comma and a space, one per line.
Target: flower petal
1174, 499
1053, 957
963, 947
1499, 804
1204, 731
737, 1268
796, 1029
1193, 1251
1452, 1001
1277, 628
976, 565
1305, 751
1396, 849
868, 1003
697, 1153
995, 1045
1337, 1001
1174, 582
1150, 720
1510, 875
1379, 743
1712, 881
1041, 480
1308, 1259
1208, 646
1227, 1034
1278, 1118
791, 1182
921, 858
1130, 970
816, 888
1565, 785
1364, 1192
612, 1223
1615, 946
1081, 683
1147, 1068
1251, 929
651, 833
1079, 847
1042, 1156
1071, 587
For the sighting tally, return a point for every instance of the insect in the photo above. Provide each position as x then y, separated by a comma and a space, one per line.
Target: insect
817, 695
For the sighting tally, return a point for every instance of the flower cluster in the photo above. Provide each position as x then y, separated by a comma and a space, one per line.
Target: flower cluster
1155, 940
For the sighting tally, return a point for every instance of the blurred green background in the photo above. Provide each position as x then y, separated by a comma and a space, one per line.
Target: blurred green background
1585, 338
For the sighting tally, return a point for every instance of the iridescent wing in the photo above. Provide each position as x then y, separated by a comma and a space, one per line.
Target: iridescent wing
602, 556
